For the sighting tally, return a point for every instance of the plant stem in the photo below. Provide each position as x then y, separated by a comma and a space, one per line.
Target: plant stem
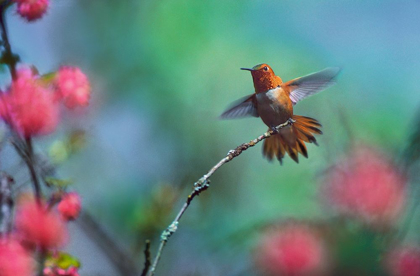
30, 163
6, 204
8, 57
41, 258
203, 184
147, 262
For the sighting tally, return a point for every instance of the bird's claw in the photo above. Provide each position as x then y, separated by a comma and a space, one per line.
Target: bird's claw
289, 121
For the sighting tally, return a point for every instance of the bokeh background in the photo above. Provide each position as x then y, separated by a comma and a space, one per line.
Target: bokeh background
162, 71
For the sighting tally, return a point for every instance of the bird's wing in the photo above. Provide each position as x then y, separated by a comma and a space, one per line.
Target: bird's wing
306, 86
243, 107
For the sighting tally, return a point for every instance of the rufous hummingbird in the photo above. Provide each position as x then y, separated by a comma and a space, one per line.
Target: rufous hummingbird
273, 101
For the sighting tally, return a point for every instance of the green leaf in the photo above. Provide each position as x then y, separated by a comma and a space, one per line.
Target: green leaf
56, 182
62, 260
48, 78
59, 152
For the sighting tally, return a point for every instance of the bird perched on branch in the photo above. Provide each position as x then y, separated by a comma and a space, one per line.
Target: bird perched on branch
273, 101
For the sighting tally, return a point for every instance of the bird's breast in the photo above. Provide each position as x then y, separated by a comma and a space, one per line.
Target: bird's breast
274, 106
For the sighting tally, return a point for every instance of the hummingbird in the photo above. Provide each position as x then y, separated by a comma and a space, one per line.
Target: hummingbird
273, 102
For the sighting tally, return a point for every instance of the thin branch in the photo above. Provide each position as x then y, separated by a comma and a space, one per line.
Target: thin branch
30, 163
147, 261
203, 184
8, 57
42, 255
6, 204
25, 151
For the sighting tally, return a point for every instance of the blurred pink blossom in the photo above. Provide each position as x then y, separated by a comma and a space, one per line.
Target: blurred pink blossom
28, 106
55, 271
70, 206
292, 249
72, 86
39, 226
14, 259
365, 184
3, 105
32, 10
404, 261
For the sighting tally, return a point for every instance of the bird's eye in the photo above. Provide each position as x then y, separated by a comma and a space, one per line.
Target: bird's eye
265, 68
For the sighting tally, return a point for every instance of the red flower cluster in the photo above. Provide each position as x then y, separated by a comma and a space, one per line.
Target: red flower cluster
404, 261
72, 271
28, 106
14, 259
32, 10
39, 226
366, 185
291, 249
69, 206
72, 86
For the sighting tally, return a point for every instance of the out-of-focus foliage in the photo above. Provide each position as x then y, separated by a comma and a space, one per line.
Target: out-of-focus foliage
62, 260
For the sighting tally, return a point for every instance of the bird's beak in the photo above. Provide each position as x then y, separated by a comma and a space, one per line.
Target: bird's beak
248, 69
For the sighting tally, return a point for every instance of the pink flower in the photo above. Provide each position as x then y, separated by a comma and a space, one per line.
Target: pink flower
32, 10
292, 249
14, 259
39, 226
3, 105
404, 261
72, 86
55, 271
69, 206
48, 271
366, 185
29, 107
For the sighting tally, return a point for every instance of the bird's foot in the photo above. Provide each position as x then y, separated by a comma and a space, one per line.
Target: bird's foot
276, 129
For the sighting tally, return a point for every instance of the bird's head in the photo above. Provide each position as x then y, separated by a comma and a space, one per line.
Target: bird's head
264, 77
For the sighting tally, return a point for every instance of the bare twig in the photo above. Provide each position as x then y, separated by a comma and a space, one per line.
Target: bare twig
203, 184
6, 203
147, 261
42, 255
8, 57
25, 151
30, 163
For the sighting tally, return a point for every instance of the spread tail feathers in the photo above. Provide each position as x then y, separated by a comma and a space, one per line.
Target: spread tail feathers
291, 139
